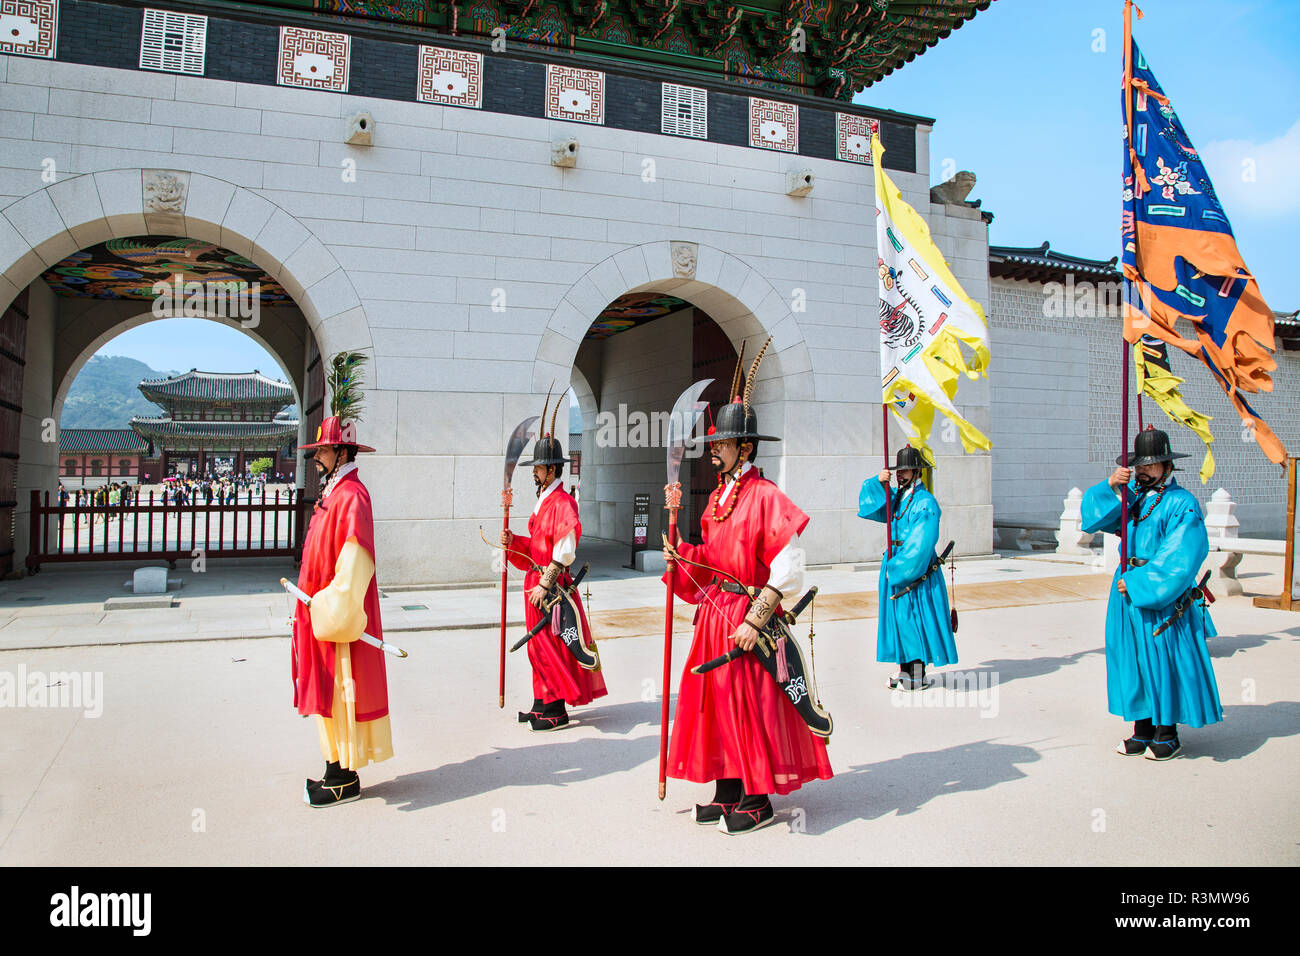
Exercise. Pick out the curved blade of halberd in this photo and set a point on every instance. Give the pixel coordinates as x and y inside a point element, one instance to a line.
<point>686,412</point>
<point>515,447</point>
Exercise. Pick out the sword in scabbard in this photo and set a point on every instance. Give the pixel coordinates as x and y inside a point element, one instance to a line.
<point>934,565</point>
<point>305,598</point>
<point>686,413</point>
<point>789,617</point>
<point>1185,602</point>
<point>514,448</point>
<point>553,597</point>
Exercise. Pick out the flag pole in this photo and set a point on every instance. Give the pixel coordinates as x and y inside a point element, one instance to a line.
<point>1128,126</point>
<point>889,507</point>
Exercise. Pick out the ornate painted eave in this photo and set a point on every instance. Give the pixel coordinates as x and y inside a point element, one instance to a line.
<point>842,48</point>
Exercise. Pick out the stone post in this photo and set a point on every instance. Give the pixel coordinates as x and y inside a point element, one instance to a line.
<point>1070,536</point>
<point>1221,525</point>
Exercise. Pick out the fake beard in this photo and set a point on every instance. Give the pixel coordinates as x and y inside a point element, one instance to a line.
<point>1146,482</point>
<point>541,484</point>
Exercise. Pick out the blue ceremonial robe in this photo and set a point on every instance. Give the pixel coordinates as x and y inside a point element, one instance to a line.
<point>917,626</point>
<point>1168,678</point>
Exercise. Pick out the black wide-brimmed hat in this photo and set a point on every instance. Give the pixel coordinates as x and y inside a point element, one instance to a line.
<point>737,419</point>
<point>909,457</point>
<point>1150,448</point>
<point>547,450</point>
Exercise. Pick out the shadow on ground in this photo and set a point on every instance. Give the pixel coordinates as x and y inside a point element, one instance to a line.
<point>1245,728</point>
<point>1227,645</point>
<point>905,784</point>
<point>1005,670</point>
<point>546,759</point>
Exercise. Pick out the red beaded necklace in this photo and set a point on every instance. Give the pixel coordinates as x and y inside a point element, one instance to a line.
<point>731,505</point>
<point>1153,507</point>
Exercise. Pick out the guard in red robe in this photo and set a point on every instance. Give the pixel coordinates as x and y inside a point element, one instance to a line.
<point>735,725</point>
<point>545,553</point>
<point>338,678</point>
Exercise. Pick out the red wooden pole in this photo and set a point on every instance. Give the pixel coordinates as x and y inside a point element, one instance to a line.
<point>668,664</point>
<point>889,501</point>
<point>505,568</point>
<point>1123,438</point>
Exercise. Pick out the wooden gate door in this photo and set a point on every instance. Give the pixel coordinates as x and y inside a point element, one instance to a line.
<point>13,344</point>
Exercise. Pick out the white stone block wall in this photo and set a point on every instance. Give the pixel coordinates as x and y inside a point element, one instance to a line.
<point>1055,405</point>
<point>471,267</point>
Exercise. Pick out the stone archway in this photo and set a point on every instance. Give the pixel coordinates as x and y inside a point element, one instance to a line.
<point>722,290</point>
<point>739,298</point>
<point>46,226</point>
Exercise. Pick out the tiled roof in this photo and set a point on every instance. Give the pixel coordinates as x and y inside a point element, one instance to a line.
<point>1286,327</point>
<point>99,439</point>
<point>1041,263</point>
<point>164,429</point>
<point>216,387</point>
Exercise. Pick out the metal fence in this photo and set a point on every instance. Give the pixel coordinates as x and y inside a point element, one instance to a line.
<point>253,528</point>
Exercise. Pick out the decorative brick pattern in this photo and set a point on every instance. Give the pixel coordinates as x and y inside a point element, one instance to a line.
<point>685,111</point>
<point>29,27</point>
<point>173,42</point>
<point>853,137</point>
<point>573,94</point>
<point>454,77</point>
<point>313,59</point>
<point>773,125</point>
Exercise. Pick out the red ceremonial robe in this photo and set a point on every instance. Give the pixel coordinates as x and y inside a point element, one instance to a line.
<point>345,513</point>
<point>556,674</point>
<point>735,721</point>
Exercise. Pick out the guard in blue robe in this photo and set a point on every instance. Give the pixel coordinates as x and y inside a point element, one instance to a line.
<point>1158,670</point>
<point>915,628</point>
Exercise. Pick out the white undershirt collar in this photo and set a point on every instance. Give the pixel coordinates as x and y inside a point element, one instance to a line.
<point>543,496</point>
<point>730,482</point>
<point>334,480</point>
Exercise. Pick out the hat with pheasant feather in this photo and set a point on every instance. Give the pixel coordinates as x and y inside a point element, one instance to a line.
<point>345,403</point>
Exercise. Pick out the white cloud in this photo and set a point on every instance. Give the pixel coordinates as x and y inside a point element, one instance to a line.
<point>1258,179</point>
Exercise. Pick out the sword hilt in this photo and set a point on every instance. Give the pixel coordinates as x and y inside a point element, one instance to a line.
<point>794,612</point>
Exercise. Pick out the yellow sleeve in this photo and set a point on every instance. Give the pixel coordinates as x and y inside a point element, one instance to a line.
<point>338,610</point>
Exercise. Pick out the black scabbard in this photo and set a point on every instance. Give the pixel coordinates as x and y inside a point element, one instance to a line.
<point>552,597</point>
<point>789,618</point>
<point>935,565</point>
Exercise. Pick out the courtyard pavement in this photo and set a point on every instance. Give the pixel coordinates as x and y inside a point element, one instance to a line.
<point>191,753</point>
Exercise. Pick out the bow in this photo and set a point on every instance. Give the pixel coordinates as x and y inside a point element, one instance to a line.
<point>750,592</point>
<point>523,554</point>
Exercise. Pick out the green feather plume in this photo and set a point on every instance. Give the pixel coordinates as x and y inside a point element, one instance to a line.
<point>344,383</point>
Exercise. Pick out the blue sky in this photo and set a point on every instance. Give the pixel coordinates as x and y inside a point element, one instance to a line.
<point>181,344</point>
<point>1022,100</point>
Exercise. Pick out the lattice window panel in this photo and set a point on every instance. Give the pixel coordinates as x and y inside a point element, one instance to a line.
<point>685,111</point>
<point>174,42</point>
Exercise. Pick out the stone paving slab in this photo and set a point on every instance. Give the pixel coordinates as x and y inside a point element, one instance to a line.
<point>198,759</point>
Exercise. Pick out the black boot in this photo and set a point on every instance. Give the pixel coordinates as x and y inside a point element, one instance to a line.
<point>1165,746</point>
<point>552,717</point>
<point>1143,733</point>
<point>535,711</point>
<point>337,786</point>
<point>726,794</point>
<point>752,813</point>
<point>911,676</point>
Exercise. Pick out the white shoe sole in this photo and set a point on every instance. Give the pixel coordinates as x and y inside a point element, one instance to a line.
<point>722,825</point>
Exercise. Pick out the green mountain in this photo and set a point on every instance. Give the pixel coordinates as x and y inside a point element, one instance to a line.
<point>104,394</point>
